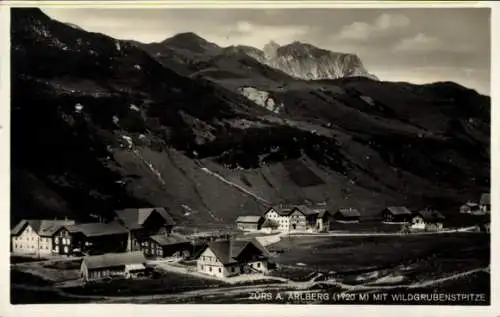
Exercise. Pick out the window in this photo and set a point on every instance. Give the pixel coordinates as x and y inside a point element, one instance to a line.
<point>258,265</point>
<point>232,269</point>
<point>15,245</point>
<point>220,270</point>
<point>210,269</point>
<point>202,267</point>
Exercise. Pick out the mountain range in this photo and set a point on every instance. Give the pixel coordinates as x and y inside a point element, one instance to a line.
<point>212,133</point>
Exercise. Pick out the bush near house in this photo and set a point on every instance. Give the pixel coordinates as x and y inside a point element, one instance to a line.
<point>271,224</point>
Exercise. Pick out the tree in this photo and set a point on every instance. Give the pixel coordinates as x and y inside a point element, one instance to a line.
<point>269,223</point>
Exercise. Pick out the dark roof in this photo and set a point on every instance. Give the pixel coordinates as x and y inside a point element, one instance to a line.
<point>97,229</point>
<point>227,251</point>
<point>44,228</point>
<point>285,209</point>
<point>134,218</point>
<point>349,212</point>
<point>114,259</point>
<point>398,210</point>
<point>169,240</point>
<point>431,215</point>
<point>249,219</point>
<point>322,212</point>
<point>485,199</point>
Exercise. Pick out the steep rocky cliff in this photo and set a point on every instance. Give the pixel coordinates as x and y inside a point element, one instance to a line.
<point>305,61</point>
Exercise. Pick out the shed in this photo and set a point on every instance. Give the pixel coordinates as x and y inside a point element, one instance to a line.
<point>347,215</point>
<point>396,214</point>
<point>173,245</point>
<point>128,265</point>
<point>249,222</point>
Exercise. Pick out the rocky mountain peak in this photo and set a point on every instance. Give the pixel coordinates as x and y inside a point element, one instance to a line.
<point>192,42</point>
<point>271,49</point>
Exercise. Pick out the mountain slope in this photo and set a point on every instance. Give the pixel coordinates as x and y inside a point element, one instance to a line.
<point>107,126</point>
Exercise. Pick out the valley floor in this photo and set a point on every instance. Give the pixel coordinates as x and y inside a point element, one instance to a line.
<point>454,262</point>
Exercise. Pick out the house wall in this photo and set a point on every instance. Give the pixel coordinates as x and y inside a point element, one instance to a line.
<point>434,226</point>
<point>262,265</point>
<point>298,221</point>
<point>389,217</point>
<point>418,223</point>
<point>100,273</point>
<point>62,242</point>
<point>248,226</point>
<point>209,264</point>
<point>45,245</point>
<point>282,221</point>
<point>28,242</point>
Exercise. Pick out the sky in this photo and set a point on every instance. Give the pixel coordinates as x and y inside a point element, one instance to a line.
<point>418,45</point>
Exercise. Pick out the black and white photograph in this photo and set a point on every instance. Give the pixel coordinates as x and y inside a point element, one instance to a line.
<point>278,155</point>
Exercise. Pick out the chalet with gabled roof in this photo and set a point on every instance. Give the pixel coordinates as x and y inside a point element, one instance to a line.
<point>162,246</point>
<point>35,236</point>
<point>293,217</point>
<point>249,223</point>
<point>142,223</point>
<point>427,219</point>
<point>96,237</point>
<point>125,265</point>
<point>396,214</point>
<point>347,215</point>
<point>233,257</point>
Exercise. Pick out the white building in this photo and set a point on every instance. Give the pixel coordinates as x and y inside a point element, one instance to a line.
<point>35,237</point>
<point>228,258</point>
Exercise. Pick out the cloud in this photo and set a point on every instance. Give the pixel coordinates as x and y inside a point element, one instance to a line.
<point>419,43</point>
<point>383,24</point>
<point>257,35</point>
<point>423,43</point>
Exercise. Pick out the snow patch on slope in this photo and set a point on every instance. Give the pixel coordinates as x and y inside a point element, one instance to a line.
<point>261,98</point>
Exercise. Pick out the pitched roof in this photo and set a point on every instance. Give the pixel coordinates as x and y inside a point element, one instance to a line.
<point>323,212</point>
<point>249,219</point>
<point>97,229</point>
<point>399,210</point>
<point>173,238</point>
<point>134,218</point>
<point>349,212</point>
<point>287,209</point>
<point>431,215</point>
<point>114,259</point>
<point>44,228</point>
<point>485,199</point>
<point>227,251</point>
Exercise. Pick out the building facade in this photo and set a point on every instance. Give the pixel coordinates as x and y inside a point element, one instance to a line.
<point>229,258</point>
<point>249,223</point>
<point>427,220</point>
<point>142,223</point>
<point>347,215</point>
<point>35,237</point>
<point>396,214</point>
<point>294,218</point>
<point>111,265</point>
<point>162,246</point>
